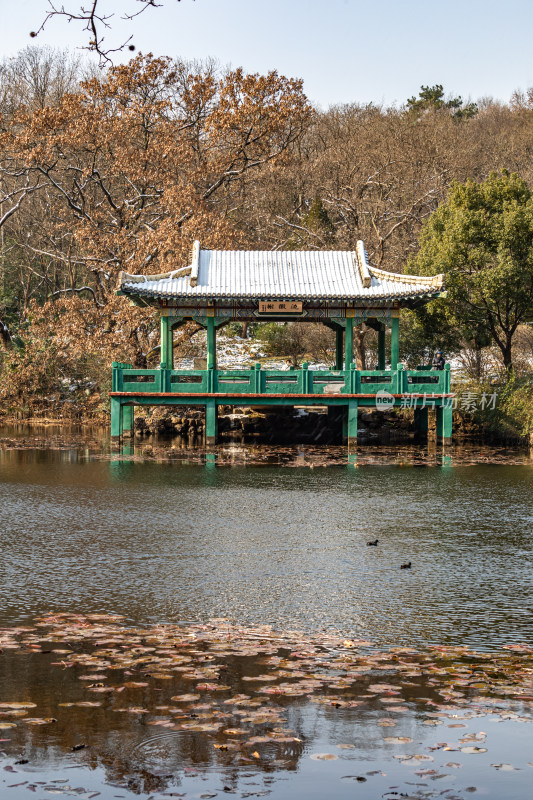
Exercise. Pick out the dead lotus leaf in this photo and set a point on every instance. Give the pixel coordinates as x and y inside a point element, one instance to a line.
<point>161,723</point>
<point>88,703</point>
<point>397,739</point>
<point>14,713</point>
<point>212,687</point>
<point>101,689</point>
<point>204,728</point>
<point>235,731</point>
<point>239,699</point>
<point>134,710</point>
<point>185,698</point>
<point>414,758</point>
<point>323,757</point>
<point>381,687</point>
<point>135,684</point>
<point>473,749</point>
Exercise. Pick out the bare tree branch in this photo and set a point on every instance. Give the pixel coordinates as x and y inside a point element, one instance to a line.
<point>96,23</point>
<point>24,191</point>
<point>81,289</point>
<point>300,228</point>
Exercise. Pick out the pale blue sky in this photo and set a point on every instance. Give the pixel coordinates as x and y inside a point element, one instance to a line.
<point>345,50</point>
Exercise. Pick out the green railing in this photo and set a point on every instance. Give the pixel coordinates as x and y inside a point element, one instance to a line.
<point>269,381</point>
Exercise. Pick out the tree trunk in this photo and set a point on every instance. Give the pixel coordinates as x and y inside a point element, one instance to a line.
<point>477,361</point>
<point>139,358</point>
<point>244,330</point>
<point>5,336</point>
<point>507,353</point>
<point>139,361</point>
<point>359,345</point>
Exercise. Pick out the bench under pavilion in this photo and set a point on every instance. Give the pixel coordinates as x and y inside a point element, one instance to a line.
<point>340,289</point>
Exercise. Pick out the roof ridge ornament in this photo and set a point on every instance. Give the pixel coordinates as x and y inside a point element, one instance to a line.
<point>436,281</point>
<point>362,263</point>
<point>126,277</point>
<point>195,263</point>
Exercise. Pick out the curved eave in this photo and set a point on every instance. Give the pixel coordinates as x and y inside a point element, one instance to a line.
<point>327,276</point>
<point>417,295</point>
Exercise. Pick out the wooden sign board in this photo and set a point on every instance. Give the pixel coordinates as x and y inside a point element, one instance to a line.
<point>280,307</point>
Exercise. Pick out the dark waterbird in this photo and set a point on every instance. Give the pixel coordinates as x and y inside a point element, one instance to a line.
<point>406,566</point>
<point>373,544</point>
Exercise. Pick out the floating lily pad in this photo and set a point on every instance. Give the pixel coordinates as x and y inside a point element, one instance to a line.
<point>397,739</point>
<point>323,757</point>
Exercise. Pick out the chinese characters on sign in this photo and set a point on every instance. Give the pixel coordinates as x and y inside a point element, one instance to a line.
<point>280,307</point>
<point>467,401</point>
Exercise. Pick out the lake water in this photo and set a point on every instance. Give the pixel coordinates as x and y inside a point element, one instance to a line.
<point>265,537</point>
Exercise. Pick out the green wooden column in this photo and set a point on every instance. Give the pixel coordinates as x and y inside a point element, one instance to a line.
<point>127,420</point>
<point>163,352</point>
<point>335,415</point>
<point>447,378</point>
<point>339,347</point>
<point>444,423</point>
<point>352,422</point>
<point>116,418</point>
<point>115,376</point>
<point>381,347</point>
<point>211,343</point>
<point>257,378</point>
<point>395,342</point>
<point>167,343</point>
<point>421,421</point>
<point>211,422</point>
<point>348,343</point>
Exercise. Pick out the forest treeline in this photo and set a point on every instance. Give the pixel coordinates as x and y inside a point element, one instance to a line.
<point>103,171</point>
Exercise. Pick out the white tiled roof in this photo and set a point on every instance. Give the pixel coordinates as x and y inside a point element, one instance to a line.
<point>298,274</point>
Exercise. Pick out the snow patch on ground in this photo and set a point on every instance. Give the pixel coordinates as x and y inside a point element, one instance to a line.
<point>233,352</point>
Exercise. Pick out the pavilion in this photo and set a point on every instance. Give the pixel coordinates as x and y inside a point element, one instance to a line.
<point>340,289</point>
